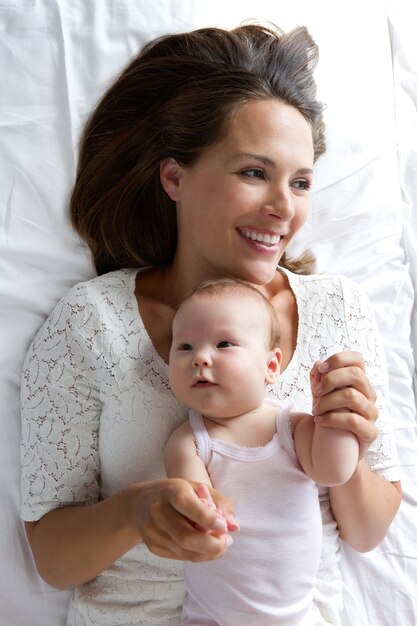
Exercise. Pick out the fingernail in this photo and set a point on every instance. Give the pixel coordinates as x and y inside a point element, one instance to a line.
<point>229,540</point>
<point>323,367</point>
<point>319,389</point>
<point>219,525</point>
<point>232,522</point>
<point>318,418</point>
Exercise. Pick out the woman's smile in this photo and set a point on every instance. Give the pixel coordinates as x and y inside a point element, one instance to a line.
<point>244,199</point>
<point>262,242</point>
<point>264,238</point>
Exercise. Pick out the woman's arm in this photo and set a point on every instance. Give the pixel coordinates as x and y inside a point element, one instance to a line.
<point>61,413</point>
<point>365,506</point>
<point>73,544</point>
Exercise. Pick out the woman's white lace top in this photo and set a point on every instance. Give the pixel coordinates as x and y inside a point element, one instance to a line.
<point>97,411</point>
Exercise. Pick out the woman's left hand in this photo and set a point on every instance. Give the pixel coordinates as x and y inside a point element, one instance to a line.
<point>344,398</point>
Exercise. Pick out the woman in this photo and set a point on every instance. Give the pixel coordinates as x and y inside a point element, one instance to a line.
<point>196,164</point>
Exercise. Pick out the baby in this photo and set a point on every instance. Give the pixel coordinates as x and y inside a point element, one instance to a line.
<point>267,458</point>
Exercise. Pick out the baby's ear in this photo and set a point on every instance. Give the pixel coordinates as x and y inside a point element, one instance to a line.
<point>273,366</point>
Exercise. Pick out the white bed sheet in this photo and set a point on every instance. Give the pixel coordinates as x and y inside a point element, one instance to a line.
<point>56,58</point>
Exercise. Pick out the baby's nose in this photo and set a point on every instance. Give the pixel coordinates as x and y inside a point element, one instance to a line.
<point>202,360</point>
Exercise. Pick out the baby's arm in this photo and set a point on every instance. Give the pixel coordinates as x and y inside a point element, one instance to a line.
<point>328,455</point>
<point>181,458</point>
<point>182,461</point>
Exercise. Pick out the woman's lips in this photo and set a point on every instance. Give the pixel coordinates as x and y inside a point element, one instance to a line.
<point>268,239</point>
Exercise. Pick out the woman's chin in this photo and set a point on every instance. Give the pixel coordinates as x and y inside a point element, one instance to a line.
<point>261,276</point>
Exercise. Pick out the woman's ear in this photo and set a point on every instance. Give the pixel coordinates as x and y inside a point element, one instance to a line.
<point>273,366</point>
<point>170,173</point>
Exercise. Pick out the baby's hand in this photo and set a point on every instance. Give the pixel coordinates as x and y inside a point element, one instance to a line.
<point>204,494</point>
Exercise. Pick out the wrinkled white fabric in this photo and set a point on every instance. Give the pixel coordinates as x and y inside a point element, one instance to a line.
<point>97,411</point>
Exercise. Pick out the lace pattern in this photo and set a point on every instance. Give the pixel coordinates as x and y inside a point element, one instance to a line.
<point>97,411</point>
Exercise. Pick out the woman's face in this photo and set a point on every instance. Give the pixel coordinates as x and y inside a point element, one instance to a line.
<point>245,198</point>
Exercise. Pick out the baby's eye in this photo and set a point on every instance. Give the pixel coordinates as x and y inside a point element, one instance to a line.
<point>185,346</point>
<point>254,172</point>
<point>225,344</point>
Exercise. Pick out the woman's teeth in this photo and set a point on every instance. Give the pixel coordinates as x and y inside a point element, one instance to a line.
<point>261,238</point>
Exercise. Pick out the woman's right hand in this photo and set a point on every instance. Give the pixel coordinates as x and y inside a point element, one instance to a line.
<point>174,523</point>
<point>73,544</point>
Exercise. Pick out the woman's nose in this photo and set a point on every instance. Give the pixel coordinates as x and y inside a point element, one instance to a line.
<point>280,204</point>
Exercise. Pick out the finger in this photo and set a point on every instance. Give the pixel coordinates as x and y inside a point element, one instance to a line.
<point>194,557</point>
<point>364,430</point>
<point>341,359</point>
<point>348,399</point>
<point>351,376</point>
<point>205,547</point>
<point>167,522</point>
<point>186,502</point>
<point>232,524</point>
<point>204,494</point>
<point>221,501</point>
<point>315,375</point>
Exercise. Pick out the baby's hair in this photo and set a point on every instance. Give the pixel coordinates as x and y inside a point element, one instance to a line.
<point>237,287</point>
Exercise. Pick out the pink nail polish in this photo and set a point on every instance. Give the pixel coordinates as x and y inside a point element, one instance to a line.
<point>219,525</point>
<point>232,523</point>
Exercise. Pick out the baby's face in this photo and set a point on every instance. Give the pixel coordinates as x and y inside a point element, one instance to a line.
<point>219,357</point>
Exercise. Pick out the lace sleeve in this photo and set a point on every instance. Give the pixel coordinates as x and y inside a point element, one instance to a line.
<point>364,338</point>
<point>61,409</point>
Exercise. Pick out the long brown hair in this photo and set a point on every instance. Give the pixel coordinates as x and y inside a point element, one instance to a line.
<point>174,100</point>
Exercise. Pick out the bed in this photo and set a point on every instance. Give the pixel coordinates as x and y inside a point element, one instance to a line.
<point>56,59</point>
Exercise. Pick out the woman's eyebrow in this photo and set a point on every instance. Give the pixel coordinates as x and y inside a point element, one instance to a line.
<point>267,161</point>
<point>252,155</point>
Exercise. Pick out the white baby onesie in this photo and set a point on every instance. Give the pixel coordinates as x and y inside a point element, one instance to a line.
<point>267,576</point>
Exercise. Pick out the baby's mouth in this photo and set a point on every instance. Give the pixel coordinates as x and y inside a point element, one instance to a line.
<point>203,382</point>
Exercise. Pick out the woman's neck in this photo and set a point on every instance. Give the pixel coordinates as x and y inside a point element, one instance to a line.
<point>159,291</point>
<point>178,281</point>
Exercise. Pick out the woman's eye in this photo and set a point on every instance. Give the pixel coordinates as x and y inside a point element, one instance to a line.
<point>184,347</point>
<point>302,184</point>
<point>254,173</point>
<point>225,344</point>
